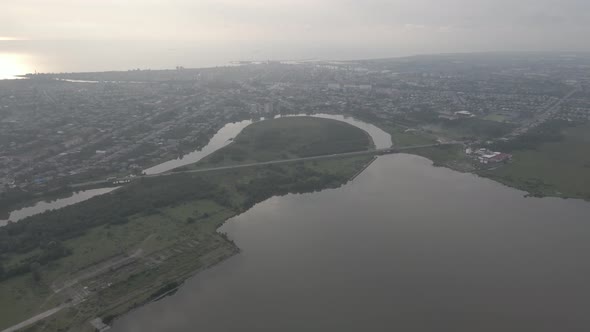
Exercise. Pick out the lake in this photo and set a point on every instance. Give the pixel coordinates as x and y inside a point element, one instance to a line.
<point>404,246</point>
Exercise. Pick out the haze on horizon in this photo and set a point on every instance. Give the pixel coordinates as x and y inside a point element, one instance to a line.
<point>381,27</point>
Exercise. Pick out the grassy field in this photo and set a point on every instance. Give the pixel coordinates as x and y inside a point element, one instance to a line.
<point>451,156</point>
<point>497,117</point>
<point>120,264</point>
<point>470,128</point>
<point>287,138</point>
<point>401,136</point>
<point>552,169</point>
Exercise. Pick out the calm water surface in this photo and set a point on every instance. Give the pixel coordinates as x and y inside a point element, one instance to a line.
<point>222,138</point>
<point>43,206</point>
<point>404,247</point>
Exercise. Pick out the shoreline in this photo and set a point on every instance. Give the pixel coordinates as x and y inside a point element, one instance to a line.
<point>236,251</point>
<point>164,253</point>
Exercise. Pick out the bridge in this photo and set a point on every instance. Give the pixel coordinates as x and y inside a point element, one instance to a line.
<point>391,150</point>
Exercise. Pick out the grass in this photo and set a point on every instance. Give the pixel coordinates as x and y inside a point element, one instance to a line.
<point>288,138</point>
<point>471,128</point>
<point>166,232</point>
<point>497,117</point>
<point>401,136</point>
<point>451,156</point>
<point>552,169</point>
<point>22,297</point>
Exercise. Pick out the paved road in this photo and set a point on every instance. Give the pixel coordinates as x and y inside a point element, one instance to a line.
<point>552,109</point>
<point>285,161</point>
<point>35,319</point>
<point>275,162</point>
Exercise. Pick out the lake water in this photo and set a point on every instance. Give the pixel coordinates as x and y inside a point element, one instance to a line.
<point>404,247</point>
<point>222,138</point>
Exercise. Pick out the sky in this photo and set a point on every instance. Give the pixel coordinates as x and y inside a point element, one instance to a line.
<point>82,35</point>
<point>443,25</point>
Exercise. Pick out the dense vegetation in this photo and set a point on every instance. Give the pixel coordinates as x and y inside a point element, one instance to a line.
<point>37,232</point>
<point>46,231</point>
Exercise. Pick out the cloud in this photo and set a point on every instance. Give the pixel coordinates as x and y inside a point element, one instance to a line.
<point>445,24</point>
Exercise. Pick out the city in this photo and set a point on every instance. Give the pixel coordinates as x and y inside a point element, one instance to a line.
<point>142,218</point>
<point>64,129</point>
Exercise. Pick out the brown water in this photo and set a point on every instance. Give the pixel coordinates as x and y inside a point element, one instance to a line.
<point>404,247</point>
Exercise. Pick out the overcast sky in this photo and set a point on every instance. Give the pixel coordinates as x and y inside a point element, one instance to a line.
<point>416,26</point>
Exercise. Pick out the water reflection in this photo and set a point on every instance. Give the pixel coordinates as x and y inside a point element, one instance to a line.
<point>219,140</point>
<point>403,247</point>
<point>12,64</point>
<point>43,206</point>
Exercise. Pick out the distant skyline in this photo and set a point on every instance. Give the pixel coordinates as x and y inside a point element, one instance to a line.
<point>380,26</point>
<point>98,35</point>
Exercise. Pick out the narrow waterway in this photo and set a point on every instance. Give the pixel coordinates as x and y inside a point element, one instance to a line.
<point>223,137</point>
<point>404,247</point>
<point>58,203</point>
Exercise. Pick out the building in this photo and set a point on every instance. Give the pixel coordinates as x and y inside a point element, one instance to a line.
<point>494,157</point>
<point>464,114</point>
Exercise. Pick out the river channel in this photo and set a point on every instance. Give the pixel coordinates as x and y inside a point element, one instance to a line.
<point>223,137</point>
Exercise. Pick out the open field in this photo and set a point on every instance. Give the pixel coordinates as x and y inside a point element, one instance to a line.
<point>559,168</point>
<point>288,138</point>
<point>498,117</point>
<point>451,156</point>
<point>21,298</point>
<point>469,129</point>
<point>407,137</point>
<point>120,250</point>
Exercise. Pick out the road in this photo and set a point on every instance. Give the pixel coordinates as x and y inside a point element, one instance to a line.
<point>35,319</point>
<point>551,110</point>
<point>285,161</point>
<point>100,269</point>
<point>275,162</point>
